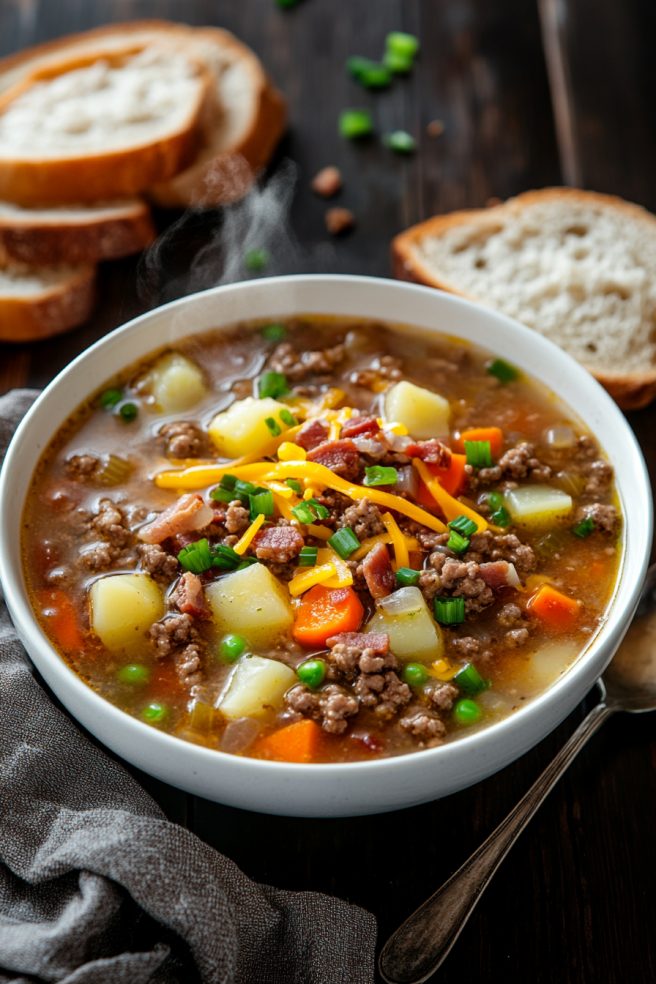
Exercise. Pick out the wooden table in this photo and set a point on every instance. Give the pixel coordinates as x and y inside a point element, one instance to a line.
<point>574,902</point>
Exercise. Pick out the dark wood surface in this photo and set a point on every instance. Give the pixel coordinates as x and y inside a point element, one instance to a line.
<point>574,902</point>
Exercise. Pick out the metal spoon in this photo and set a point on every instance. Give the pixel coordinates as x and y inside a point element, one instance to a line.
<point>421,944</point>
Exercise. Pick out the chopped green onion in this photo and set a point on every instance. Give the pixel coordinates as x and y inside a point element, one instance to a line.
<point>470,680</point>
<point>196,557</point>
<point>501,517</point>
<point>288,418</point>
<point>467,527</point>
<point>354,123</point>
<point>397,64</point>
<point>246,562</point>
<point>307,557</point>
<point>584,528</point>
<point>225,557</point>
<point>244,489</point>
<point>495,501</point>
<point>370,74</point>
<point>274,333</point>
<point>231,647</point>
<point>272,384</point>
<point>261,504</point>
<point>400,141</point>
<point>221,495</point>
<point>135,674</point>
<point>402,44</point>
<point>406,576</point>
<point>110,398</point>
<point>256,259</point>
<point>228,482</point>
<point>504,372</point>
<point>467,712</point>
<point>312,673</point>
<point>450,611</point>
<point>273,425</point>
<point>128,411</point>
<point>307,512</point>
<point>479,454</point>
<point>344,542</point>
<point>457,543</point>
<point>155,713</point>
<point>294,484</point>
<point>414,674</point>
<point>380,475</point>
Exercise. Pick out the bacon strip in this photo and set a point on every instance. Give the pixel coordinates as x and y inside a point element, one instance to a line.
<point>499,574</point>
<point>190,598</point>
<point>378,573</point>
<point>359,427</point>
<point>188,513</point>
<point>342,457</point>
<point>311,434</point>
<point>378,641</point>
<point>433,452</point>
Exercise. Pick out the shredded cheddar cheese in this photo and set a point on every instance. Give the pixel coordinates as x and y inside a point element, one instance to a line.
<point>291,452</point>
<point>321,532</point>
<point>242,545</point>
<point>310,577</point>
<point>449,506</point>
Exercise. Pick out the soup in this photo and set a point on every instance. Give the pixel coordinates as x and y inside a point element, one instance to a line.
<point>321,541</point>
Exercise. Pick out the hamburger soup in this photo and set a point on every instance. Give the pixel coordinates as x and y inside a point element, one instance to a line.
<point>321,541</point>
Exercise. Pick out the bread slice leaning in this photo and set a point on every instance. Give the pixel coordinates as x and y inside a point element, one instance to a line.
<point>577,266</point>
<point>75,234</point>
<point>37,302</point>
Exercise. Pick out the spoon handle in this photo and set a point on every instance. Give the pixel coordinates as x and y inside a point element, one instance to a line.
<point>420,945</point>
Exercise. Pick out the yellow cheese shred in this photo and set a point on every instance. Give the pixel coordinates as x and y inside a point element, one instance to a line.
<point>321,532</point>
<point>241,546</point>
<point>401,557</point>
<point>343,577</point>
<point>310,577</point>
<point>449,506</point>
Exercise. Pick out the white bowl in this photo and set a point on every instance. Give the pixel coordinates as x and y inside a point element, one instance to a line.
<point>342,789</point>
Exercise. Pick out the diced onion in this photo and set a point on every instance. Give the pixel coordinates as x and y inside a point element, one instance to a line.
<point>560,437</point>
<point>512,577</point>
<point>403,602</point>
<point>407,481</point>
<point>366,445</point>
<point>397,442</point>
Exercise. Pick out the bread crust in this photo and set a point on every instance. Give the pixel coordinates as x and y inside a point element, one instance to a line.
<point>46,237</point>
<point>51,312</point>
<point>631,391</point>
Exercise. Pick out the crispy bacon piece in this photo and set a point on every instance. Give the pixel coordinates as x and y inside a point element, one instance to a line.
<point>433,452</point>
<point>189,596</point>
<point>378,641</point>
<point>312,433</point>
<point>360,427</point>
<point>342,457</point>
<point>378,573</point>
<point>278,543</point>
<point>499,574</point>
<point>188,513</point>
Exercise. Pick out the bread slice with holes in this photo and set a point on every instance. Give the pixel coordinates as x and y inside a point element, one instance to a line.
<point>577,266</point>
<point>37,302</point>
<point>75,234</point>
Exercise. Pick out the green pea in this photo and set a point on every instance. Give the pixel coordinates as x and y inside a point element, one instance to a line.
<point>467,712</point>
<point>134,674</point>
<point>231,647</point>
<point>400,141</point>
<point>128,411</point>
<point>110,398</point>
<point>274,333</point>
<point>414,674</point>
<point>155,713</point>
<point>256,259</point>
<point>312,673</point>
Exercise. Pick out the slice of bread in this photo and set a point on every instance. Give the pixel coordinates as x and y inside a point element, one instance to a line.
<point>577,266</point>
<point>101,123</point>
<point>75,234</point>
<point>37,302</point>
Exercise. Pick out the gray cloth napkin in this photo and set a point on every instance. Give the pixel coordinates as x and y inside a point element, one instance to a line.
<point>97,887</point>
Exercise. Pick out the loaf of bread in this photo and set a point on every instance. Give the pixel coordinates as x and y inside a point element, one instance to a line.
<point>578,267</point>
<point>37,302</point>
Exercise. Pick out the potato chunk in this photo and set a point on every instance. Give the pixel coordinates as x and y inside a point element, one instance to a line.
<point>123,607</point>
<point>414,634</point>
<point>176,383</point>
<point>257,687</point>
<point>538,506</point>
<point>241,429</point>
<point>425,414</point>
<point>252,603</point>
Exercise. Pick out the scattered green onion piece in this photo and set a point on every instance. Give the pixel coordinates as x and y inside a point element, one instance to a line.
<point>256,259</point>
<point>501,517</point>
<point>354,123</point>
<point>470,680</point>
<point>344,542</point>
<point>495,501</point>
<point>370,74</point>
<point>225,557</point>
<point>273,425</point>
<point>246,562</point>
<point>294,484</point>
<point>414,674</point>
<point>504,372</point>
<point>401,142</point>
<point>464,525</point>
<point>467,712</point>
<point>128,412</point>
<point>307,512</point>
<point>261,505</point>
<point>450,611</point>
<point>288,418</point>
<point>243,489</point>
<point>196,557</point>
<point>272,384</point>
<point>312,673</point>
<point>134,674</point>
<point>274,333</point>
<point>402,44</point>
<point>221,495</point>
<point>155,713</point>
<point>228,482</point>
<point>479,454</point>
<point>307,557</point>
<point>584,528</point>
<point>406,576</point>
<point>457,543</point>
<point>397,64</point>
<point>380,475</point>
<point>231,647</point>
<point>110,398</point>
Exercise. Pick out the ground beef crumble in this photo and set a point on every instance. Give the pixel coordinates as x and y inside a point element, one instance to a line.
<point>237,517</point>
<point>330,707</point>
<point>363,518</point>
<point>376,682</point>
<point>171,632</point>
<point>295,367</point>
<point>162,566</point>
<point>81,467</point>
<point>110,523</point>
<point>424,725</point>
<point>184,438</point>
<point>604,517</point>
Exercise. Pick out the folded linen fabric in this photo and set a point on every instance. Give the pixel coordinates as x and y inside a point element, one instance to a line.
<point>97,887</point>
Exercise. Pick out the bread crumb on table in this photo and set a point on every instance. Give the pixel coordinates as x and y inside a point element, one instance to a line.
<point>327,182</point>
<point>338,220</point>
<point>435,128</point>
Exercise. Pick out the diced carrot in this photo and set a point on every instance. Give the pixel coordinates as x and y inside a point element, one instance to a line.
<point>554,609</point>
<point>296,743</point>
<point>324,613</point>
<point>61,619</point>
<point>492,434</point>
<point>452,480</point>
